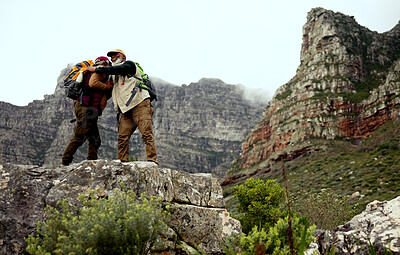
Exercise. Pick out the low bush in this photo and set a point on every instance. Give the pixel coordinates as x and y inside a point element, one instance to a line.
<point>324,209</point>
<point>114,225</point>
<point>259,203</point>
<point>275,240</point>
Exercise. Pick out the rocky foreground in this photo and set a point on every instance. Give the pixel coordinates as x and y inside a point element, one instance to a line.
<point>378,226</point>
<point>198,214</point>
<point>199,218</point>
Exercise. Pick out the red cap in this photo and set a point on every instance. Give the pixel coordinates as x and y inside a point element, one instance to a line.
<point>101,58</point>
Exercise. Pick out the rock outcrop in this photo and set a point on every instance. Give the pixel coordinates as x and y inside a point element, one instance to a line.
<point>198,127</point>
<point>198,214</point>
<point>347,85</point>
<point>378,226</point>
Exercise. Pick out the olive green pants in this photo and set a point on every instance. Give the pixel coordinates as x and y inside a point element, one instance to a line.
<point>139,117</point>
<point>85,129</point>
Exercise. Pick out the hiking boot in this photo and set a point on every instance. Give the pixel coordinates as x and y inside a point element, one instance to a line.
<point>65,163</point>
<point>153,162</point>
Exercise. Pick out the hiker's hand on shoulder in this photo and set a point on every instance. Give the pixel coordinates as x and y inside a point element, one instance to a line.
<point>110,83</point>
<point>91,68</point>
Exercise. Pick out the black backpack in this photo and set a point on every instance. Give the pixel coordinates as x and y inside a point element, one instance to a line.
<point>74,81</point>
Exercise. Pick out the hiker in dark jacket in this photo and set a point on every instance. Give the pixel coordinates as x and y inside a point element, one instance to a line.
<point>132,102</point>
<point>87,108</point>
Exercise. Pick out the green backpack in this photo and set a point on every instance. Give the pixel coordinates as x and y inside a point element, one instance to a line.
<point>145,83</point>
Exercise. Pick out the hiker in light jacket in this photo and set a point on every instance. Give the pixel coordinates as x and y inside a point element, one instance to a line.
<point>132,102</point>
<point>87,108</point>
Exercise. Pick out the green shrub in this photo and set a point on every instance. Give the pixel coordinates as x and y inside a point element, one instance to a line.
<point>324,209</point>
<point>116,225</point>
<point>275,240</point>
<point>259,202</point>
<point>284,95</point>
<point>389,146</point>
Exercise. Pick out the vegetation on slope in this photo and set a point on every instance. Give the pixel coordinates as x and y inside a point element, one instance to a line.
<point>362,172</point>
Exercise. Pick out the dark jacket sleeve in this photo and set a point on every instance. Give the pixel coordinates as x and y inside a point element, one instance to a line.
<point>128,67</point>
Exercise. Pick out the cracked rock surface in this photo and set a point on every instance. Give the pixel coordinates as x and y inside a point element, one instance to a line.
<point>198,214</point>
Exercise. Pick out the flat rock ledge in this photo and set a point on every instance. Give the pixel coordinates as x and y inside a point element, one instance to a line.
<point>199,217</point>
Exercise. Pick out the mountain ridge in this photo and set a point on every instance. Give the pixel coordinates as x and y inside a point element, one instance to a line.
<point>198,127</point>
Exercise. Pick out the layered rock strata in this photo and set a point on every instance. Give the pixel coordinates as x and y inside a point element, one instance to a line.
<point>347,85</point>
<point>198,214</point>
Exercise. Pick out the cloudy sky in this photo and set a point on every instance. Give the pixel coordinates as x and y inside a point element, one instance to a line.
<point>255,43</point>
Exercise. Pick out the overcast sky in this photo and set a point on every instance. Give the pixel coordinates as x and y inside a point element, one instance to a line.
<point>255,43</point>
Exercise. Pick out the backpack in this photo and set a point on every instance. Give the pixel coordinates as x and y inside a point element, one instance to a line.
<point>74,81</point>
<point>145,83</point>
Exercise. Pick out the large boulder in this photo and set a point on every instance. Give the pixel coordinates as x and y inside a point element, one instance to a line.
<point>198,215</point>
<point>378,226</point>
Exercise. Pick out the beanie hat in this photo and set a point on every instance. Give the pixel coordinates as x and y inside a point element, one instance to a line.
<point>101,58</point>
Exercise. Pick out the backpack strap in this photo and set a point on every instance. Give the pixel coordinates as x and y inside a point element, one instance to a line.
<point>142,84</point>
<point>87,91</point>
<point>132,96</point>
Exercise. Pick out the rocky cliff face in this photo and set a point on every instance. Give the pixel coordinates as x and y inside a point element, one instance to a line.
<point>195,201</point>
<point>347,85</point>
<point>198,128</point>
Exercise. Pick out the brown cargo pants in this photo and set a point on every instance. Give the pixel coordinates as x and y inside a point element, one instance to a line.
<point>85,129</point>
<point>139,117</point>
